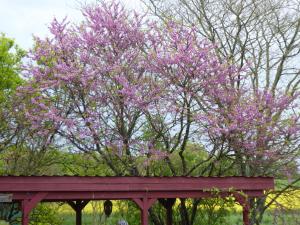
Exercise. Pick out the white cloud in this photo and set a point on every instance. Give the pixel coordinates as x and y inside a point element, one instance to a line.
<point>20,19</point>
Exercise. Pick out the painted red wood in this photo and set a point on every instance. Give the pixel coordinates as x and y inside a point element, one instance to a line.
<point>65,196</point>
<point>144,205</point>
<point>143,190</point>
<point>29,204</point>
<point>132,183</point>
<point>25,213</point>
<point>246,218</point>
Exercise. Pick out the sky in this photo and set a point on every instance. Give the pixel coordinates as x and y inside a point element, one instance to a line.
<point>20,19</point>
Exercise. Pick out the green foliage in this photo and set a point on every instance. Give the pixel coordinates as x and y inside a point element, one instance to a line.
<point>10,212</point>
<point>281,183</point>
<point>213,211</point>
<point>83,164</point>
<point>3,223</point>
<point>45,214</point>
<point>210,211</point>
<point>21,160</point>
<point>122,210</point>
<point>232,218</point>
<point>10,60</point>
<point>42,214</point>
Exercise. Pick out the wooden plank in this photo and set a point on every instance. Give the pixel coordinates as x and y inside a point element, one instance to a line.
<point>54,184</point>
<point>72,196</point>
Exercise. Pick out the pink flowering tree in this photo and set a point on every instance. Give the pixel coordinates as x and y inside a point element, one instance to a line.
<point>88,84</point>
<point>259,130</point>
<point>129,89</point>
<point>203,103</point>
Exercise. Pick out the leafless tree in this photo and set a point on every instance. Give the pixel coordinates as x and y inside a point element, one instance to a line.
<point>263,35</point>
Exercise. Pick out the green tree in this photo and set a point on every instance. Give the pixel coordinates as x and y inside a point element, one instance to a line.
<point>265,33</point>
<point>16,155</point>
<point>10,61</point>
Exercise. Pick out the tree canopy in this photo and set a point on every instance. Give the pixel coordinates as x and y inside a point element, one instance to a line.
<point>10,62</point>
<point>138,96</point>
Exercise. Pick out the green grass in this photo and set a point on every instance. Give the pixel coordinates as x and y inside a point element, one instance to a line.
<point>89,219</point>
<point>235,218</point>
<point>270,218</point>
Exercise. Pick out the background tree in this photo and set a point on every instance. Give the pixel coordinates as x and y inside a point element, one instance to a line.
<point>10,62</point>
<point>21,152</point>
<point>132,91</point>
<point>263,36</point>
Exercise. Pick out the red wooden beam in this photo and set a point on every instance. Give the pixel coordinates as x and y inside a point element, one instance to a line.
<point>71,196</point>
<point>143,190</point>
<point>66,183</point>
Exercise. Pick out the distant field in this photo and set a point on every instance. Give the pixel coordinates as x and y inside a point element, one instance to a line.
<point>292,201</point>
<point>290,218</point>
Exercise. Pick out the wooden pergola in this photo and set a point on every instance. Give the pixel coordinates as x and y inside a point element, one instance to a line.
<point>77,191</point>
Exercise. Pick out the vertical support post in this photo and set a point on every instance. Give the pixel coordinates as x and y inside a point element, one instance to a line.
<point>29,204</point>
<point>246,219</point>
<point>25,213</point>
<point>78,217</point>
<point>169,219</point>
<point>144,216</point>
<point>243,201</point>
<point>78,206</point>
<point>144,204</point>
<point>168,205</point>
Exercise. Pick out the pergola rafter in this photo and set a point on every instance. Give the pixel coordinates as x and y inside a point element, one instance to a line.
<point>144,191</point>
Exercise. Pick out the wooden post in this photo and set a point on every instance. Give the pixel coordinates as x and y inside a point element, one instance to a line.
<point>244,202</point>
<point>78,217</point>
<point>246,219</point>
<point>144,204</point>
<point>29,204</point>
<point>78,206</point>
<point>168,205</point>
<point>144,216</point>
<point>25,213</point>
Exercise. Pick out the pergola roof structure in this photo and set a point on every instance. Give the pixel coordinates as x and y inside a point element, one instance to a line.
<point>144,191</point>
